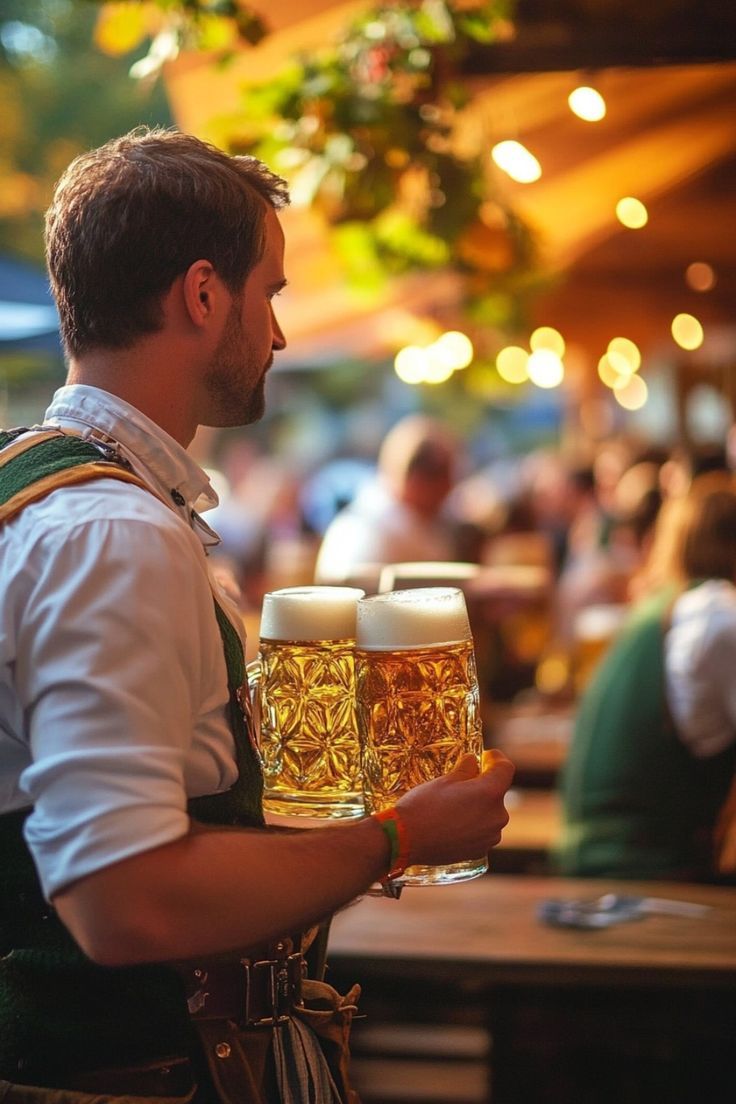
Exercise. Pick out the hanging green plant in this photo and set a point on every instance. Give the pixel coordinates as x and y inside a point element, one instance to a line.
<point>222,26</point>
<point>365,132</point>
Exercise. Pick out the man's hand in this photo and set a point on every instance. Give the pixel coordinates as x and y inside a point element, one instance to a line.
<point>460,815</point>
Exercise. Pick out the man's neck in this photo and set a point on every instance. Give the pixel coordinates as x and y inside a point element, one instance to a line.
<point>142,381</point>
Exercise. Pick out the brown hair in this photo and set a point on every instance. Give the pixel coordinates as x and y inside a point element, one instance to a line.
<point>417,444</point>
<point>709,538</point>
<point>128,218</point>
<point>695,534</point>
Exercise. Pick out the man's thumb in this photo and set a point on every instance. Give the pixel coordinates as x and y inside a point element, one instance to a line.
<point>495,762</point>
<point>467,767</point>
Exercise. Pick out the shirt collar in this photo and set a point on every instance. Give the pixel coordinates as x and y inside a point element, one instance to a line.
<point>166,465</point>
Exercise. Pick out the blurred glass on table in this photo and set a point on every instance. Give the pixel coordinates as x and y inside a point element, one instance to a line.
<point>593,632</point>
<point>417,701</point>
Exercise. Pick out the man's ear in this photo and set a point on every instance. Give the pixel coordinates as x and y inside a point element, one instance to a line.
<point>199,289</point>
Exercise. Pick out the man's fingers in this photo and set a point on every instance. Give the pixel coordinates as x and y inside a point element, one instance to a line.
<point>492,762</point>
<point>495,762</point>
<point>467,767</point>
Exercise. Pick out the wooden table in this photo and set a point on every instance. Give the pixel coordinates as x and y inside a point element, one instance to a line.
<point>643,1011</point>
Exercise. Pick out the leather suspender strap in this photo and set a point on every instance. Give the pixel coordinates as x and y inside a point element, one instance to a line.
<point>63,459</point>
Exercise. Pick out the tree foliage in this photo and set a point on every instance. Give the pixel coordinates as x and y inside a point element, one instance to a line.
<point>59,96</point>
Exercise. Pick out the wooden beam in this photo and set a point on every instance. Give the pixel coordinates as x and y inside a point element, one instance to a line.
<point>557,36</point>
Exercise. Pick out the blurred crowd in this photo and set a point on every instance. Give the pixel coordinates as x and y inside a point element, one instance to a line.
<point>584,523</point>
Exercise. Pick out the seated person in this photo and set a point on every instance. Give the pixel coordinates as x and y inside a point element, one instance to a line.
<point>398,517</point>
<point>654,747</point>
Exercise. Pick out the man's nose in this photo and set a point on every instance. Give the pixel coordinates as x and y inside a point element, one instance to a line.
<point>278,341</point>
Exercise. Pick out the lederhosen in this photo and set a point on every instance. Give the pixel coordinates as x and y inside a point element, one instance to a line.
<point>147,1030</point>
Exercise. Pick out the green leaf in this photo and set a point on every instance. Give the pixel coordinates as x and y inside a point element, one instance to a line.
<point>356,248</point>
<point>398,234</point>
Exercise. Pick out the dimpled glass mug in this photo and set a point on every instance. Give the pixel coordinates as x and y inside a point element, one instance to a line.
<point>303,686</point>
<point>417,700</point>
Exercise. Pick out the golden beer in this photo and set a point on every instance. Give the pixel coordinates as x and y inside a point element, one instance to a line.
<point>305,676</point>
<point>417,700</point>
<point>594,631</point>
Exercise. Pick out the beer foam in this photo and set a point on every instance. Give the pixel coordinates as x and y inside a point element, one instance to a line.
<point>414,618</point>
<point>310,613</point>
<point>599,622</point>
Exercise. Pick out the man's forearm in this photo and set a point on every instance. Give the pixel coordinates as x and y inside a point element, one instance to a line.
<point>217,890</point>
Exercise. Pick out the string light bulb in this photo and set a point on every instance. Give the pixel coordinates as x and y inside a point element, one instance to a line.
<point>587,103</point>
<point>632,393</point>
<point>547,337</point>
<point>613,369</point>
<point>626,348</point>
<point>700,276</point>
<point>545,369</point>
<point>516,161</point>
<point>632,213</point>
<point>452,348</point>
<point>512,364</point>
<point>410,364</point>
<point>687,331</point>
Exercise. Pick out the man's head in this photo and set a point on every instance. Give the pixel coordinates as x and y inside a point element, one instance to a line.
<point>418,460</point>
<point>129,218</point>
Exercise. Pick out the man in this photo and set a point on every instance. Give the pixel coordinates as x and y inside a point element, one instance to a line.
<point>126,768</point>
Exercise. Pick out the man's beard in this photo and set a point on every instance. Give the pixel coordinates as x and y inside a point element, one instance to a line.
<point>235,400</point>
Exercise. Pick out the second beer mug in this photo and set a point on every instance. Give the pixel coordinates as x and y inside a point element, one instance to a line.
<point>304,685</point>
<point>418,701</point>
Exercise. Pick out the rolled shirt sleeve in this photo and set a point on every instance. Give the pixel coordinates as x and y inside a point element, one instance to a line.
<point>700,667</point>
<point>122,680</point>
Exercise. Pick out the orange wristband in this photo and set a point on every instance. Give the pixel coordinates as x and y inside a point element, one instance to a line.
<point>395,830</point>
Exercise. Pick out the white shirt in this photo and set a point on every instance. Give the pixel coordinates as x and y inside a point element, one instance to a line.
<point>700,667</point>
<point>376,529</point>
<point>113,682</point>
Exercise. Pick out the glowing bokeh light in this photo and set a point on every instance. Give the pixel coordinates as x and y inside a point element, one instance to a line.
<point>516,160</point>
<point>511,364</point>
<point>614,369</point>
<point>437,370</point>
<point>632,213</point>
<point>545,368</point>
<point>687,331</point>
<point>552,674</point>
<point>546,337</point>
<point>700,276</point>
<point>453,348</point>
<point>629,350</point>
<point>632,393</point>
<point>587,103</point>
<point>410,364</point>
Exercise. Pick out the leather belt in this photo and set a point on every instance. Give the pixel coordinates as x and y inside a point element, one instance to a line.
<point>169,1078</point>
<point>260,990</point>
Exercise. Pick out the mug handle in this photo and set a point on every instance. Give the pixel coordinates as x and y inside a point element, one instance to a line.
<point>253,676</point>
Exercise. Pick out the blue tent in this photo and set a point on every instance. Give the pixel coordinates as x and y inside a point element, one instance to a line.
<point>28,318</point>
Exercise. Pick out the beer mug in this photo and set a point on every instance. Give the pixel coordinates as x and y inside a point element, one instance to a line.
<point>593,632</point>
<point>417,701</point>
<point>303,686</point>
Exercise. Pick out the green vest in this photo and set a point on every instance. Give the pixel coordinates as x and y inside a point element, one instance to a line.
<point>59,1012</point>
<point>636,803</point>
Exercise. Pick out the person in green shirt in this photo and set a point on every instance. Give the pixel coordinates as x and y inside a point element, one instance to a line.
<point>654,744</point>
